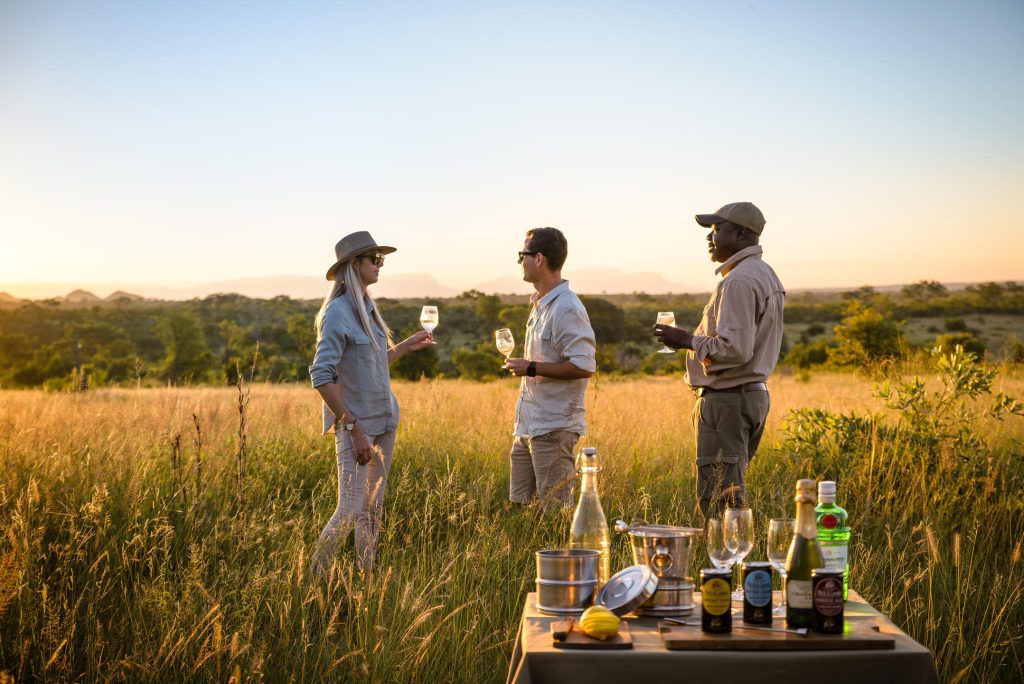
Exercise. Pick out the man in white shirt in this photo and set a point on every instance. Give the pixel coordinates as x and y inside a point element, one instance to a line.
<point>559,358</point>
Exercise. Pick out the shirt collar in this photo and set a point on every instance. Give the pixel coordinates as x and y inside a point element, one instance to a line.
<point>728,264</point>
<point>555,291</point>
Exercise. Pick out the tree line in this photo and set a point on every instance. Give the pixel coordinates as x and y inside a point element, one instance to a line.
<point>212,340</point>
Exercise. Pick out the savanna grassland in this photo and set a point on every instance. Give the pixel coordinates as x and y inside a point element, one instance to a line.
<point>144,540</point>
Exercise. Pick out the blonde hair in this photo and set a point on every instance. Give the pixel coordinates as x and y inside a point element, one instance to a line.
<point>357,297</point>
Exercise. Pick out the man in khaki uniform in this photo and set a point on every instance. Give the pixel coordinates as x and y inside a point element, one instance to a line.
<point>731,354</point>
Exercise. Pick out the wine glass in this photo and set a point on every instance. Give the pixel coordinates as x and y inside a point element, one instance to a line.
<point>739,537</point>
<point>428,318</point>
<point>666,318</point>
<point>780,535</point>
<point>720,555</point>
<point>504,341</point>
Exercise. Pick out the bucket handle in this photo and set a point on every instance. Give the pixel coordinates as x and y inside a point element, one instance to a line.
<point>662,559</point>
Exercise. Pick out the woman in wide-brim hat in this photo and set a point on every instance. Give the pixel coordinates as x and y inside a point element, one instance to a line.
<point>350,371</point>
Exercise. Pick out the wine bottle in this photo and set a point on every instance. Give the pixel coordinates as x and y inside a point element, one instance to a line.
<point>804,556</point>
<point>833,532</point>
<point>589,527</point>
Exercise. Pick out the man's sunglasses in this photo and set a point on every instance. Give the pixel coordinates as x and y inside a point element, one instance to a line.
<point>523,255</point>
<point>377,259</point>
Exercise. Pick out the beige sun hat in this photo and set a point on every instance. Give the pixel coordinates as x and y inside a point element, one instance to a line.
<point>353,245</point>
<point>741,213</point>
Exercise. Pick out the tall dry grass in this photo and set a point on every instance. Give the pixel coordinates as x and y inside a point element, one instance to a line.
<point>133,550</point>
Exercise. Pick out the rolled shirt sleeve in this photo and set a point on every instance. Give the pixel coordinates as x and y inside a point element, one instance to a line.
<point>329,349</point>
<point>573,337</point>
<point>734,311</point>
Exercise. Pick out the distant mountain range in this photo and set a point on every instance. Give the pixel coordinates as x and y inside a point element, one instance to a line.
<point>395,286</point>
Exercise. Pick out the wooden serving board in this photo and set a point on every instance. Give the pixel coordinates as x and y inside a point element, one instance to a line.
<point>857,635</point>
<point>579,640</point>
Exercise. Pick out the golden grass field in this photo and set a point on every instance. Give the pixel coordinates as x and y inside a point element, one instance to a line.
<point>137,547</point>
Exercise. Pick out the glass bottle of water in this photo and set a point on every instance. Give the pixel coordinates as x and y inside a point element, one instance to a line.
<point>589,527</point>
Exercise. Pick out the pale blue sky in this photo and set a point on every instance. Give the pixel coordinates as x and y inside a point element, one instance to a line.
<point>176,142</point>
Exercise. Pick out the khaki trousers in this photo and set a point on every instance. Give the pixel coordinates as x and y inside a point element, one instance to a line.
<point>543,466</point>
<point>360,502</point>
<point>729,427</point>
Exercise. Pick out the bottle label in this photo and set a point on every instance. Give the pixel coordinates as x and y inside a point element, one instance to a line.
<point>835,554</point>
<point>828,597</point>
<point>829,521</point>
<point>757,586</point>
<point>798,593</point>
<point>716,597</point>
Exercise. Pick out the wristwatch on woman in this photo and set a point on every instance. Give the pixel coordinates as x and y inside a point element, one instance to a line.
<point>348,427</point>
<point>531,370</point>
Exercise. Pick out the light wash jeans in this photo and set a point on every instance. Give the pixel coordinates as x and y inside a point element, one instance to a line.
<point>360,500</point>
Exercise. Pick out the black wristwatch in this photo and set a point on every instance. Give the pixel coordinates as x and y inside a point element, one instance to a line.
<point>531,370</point>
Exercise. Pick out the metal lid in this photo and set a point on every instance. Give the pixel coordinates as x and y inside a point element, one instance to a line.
<point>628,589</point>
<point>827,572</point>
<point>751,565</point>
<point>663,531</point>
<point>715,573</point>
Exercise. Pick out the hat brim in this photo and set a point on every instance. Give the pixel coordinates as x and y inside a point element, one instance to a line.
<point>708,220</point>
<point>380,249</point>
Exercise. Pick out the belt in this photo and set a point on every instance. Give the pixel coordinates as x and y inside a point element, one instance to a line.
<point>746,387</point>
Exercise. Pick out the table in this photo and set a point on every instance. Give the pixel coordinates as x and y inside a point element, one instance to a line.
<point>536,661</point>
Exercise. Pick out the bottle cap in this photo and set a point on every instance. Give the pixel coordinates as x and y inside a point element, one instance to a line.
<point>587,461</point>
<point>827,488</point>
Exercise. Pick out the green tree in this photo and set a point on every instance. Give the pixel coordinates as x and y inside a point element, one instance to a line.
<point>947,343</point>
<point>866,335</point>
<point>187,356</point>
<point>607,320</point>
<point>488,307</point>
<point>924,291</point>
<point>479,363</point>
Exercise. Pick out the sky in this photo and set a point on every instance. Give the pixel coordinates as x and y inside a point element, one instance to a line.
<point>173,143</point>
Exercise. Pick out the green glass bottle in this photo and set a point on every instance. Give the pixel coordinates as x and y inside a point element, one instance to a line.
<point>804,556</point>
<point>833,532</point>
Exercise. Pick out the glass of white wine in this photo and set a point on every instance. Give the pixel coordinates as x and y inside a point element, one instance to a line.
<point>504,341</point>
<point>666,318</point>
<point>428,318</point>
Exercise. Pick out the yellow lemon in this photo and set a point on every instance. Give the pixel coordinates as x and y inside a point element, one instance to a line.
<point>599,622</point>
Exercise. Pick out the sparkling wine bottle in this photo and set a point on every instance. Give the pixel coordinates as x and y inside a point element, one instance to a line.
<point>804,556</point>
<point>833,532</point>
<point>589,527</point>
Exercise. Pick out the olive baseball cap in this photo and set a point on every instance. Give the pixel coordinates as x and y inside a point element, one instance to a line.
<point>741,213</point>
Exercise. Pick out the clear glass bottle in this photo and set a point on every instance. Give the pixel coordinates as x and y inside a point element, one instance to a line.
<point>833,532</point>
<point>589,527</point>
<point>804,556</point>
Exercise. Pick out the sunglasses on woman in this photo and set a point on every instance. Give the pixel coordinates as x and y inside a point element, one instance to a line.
<point>377,259</point>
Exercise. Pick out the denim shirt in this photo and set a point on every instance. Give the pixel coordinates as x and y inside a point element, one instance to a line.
<point>558,330</point>
<point>345,356</point>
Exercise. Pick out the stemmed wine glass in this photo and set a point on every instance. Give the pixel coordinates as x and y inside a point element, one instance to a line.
<point>666,318</point>
<point>780,535</point>
<point>504,341</point>
<point>739,537</point>
<point>718,552</point>
<point>428,318</point>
